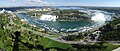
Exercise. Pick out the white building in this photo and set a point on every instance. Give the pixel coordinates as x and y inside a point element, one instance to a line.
<point>4,11</point>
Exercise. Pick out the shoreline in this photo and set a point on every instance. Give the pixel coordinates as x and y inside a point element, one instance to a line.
<point>73,30</point>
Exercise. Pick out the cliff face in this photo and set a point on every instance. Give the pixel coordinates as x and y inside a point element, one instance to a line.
<point>71,15</point>
<point>73,18</point>
<point>63,15</point>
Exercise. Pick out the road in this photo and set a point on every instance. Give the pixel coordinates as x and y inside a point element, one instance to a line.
<point>58,38</point>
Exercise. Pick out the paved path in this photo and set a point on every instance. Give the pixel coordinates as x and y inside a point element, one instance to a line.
<point>58,38</point>
<point>118,49</point>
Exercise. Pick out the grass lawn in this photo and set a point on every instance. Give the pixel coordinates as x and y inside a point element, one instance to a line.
<point>48,43</point>
<point>111,47</point>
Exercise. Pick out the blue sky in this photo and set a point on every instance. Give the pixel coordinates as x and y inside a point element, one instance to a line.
<point>110,3</point>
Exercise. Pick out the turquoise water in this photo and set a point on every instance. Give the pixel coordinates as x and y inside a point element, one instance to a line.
<point>57,26</point>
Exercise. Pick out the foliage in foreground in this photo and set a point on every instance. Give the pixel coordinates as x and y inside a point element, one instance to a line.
<point>111,31</point>
<point>11,40</point>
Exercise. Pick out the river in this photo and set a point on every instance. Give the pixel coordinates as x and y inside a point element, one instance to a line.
<point>67,26</point>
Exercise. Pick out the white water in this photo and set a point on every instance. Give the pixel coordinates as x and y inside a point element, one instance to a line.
<point>48,17</point>
<point>99,17</point>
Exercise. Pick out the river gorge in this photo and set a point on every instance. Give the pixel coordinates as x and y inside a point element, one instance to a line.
<point>48,22</point>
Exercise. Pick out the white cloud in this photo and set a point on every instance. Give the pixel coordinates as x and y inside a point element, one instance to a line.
<point>37,2</point>
<point>42,2</point>
<point>13,0</point>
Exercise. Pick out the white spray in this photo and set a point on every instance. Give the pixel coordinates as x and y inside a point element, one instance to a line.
<point>98,17</point>
<point>48,17</point>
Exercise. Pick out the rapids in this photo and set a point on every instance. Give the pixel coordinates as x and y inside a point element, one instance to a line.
<point>48,22</point>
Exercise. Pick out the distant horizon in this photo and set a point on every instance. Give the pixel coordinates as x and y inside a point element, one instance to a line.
<point>54,6</point>
<point>92,3</point>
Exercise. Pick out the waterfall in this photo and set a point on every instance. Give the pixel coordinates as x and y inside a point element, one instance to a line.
<point>48,17</point>
<point>98,17</point>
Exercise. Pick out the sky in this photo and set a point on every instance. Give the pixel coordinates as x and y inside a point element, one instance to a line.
<point>108,3</point>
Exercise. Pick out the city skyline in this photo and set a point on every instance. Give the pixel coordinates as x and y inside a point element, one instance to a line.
<point>106,3</point>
